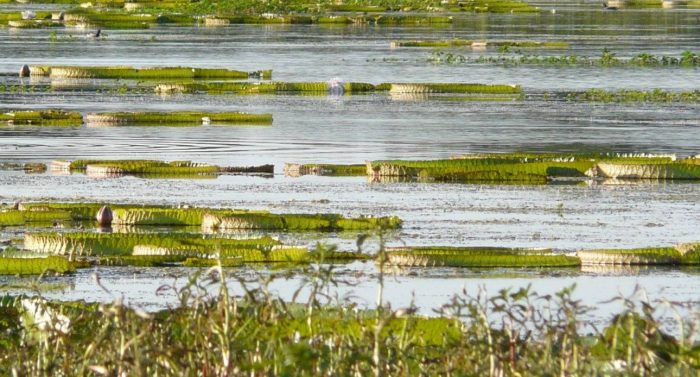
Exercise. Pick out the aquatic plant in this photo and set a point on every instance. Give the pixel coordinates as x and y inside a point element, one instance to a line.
<point>41,118</point>
<point>17,218</point>
<point>154,168</point>
<point>124,72</point>
<point>35,266</point>
<point>124,244</point>
<point>324,88</point>
<point>477,257</point>
<point>539,168</point>
<point>606,59</point>
<point>296,222</point>
<point>486,169</point>
<point>334,170</point>
<point>443,43</point>
<point>514,332</point>
<point>176,118</point>
<point>626,95</point>
<point>454,88</point>
<point>686,254</point>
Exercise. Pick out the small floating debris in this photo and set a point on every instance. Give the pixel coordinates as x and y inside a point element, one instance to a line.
<point>176,118</point>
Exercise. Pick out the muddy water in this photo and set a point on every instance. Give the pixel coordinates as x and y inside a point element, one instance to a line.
<point>357,128</point>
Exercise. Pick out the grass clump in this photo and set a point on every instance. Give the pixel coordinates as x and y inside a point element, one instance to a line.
<point>52,118</point>
<point>478,257</point>
<point>35,266</point>
<point>177,118</point>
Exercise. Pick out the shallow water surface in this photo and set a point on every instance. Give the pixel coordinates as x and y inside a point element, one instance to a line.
<point>353,129</point>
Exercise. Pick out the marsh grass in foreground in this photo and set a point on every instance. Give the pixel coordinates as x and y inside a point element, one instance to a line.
<point>245,330</point>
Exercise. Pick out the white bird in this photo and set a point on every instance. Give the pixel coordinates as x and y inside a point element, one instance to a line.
<point>336,86</point>
<point>28,15</point>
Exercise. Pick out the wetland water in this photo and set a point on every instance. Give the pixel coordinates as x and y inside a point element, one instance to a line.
<point>352,129</point>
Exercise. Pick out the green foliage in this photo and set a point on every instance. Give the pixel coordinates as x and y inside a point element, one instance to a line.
<point>298,222</point>
<point>190,117</point>
<point>123,244</point>
<point>141,260</point>
<point>626,95</point>
<point>35,266</point>
<point>17,218</point>
<point>42,118</point>
<point>607,58</point>
<point>538,168</point>
<point>333,170</point>
<point>445,43</point>
<point>479,257</point>
<point>161,73</point>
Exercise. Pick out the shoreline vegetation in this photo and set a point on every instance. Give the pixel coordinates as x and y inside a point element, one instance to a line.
<point>512,332</point>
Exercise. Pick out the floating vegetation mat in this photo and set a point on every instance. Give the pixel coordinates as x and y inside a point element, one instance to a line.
<point>159,249</point>
<point>41,118</point>
<point>36,266</point>
<point>625,95</point>
<point>682,254</point>
<point>335,88</point>
<point>153,168</point>
<point>13,217</point>
<point>443,256</point>
<point>296,170</point>
<point>210,218</point>
<point>123,72</point>
<point>540,168</point>
<point>296,222</point>
<point>478,44</point>
<point>477,257</point>
<point>176,118</point>
<point>142,244</point>
<point>125,19</point>
<point>607,59</point>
